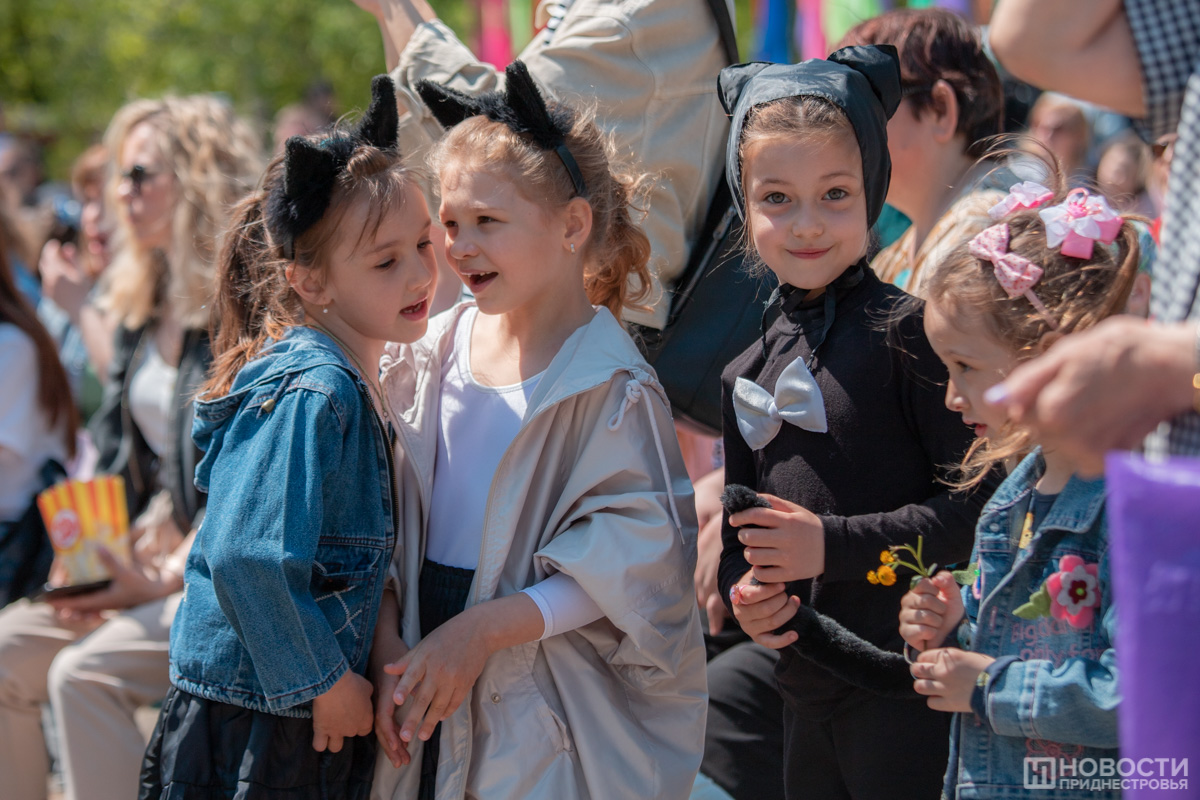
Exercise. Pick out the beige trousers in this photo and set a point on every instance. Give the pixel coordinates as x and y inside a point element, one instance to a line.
<point>95,678</point>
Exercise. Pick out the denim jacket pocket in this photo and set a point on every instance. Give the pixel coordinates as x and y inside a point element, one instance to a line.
<point>342,585</point>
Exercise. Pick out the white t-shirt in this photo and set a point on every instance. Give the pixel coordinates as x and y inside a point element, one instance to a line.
<point>477,425</point>
<point>151,392</point>
<point>26,438</point>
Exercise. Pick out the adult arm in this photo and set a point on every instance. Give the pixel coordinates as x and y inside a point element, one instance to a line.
<point>1084,50</point>
<point>1104,388</point>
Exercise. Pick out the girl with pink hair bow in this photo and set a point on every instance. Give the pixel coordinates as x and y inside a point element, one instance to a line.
<point>1052,264</point>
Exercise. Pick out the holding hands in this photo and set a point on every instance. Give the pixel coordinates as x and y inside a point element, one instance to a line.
<point>760,608</point>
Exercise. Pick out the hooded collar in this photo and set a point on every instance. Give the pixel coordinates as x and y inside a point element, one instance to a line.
<point>863,81</point>
<point>589,357</point>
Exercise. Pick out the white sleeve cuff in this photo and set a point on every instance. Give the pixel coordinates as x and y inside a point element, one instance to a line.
<point>564,604</point>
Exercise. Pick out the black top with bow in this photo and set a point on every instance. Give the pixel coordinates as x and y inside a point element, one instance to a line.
<point>873,476</point>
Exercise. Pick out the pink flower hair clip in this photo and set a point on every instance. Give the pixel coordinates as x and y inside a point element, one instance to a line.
<point>1016,274</point>
<point>1076,224</point>
<point>1025,194</point>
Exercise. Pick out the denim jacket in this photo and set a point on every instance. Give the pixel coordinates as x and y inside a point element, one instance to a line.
<point>1058,698</point>
<point>283,585</point>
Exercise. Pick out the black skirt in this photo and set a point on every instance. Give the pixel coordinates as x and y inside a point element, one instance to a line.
<point>205,750</point>
<point>442,593</point>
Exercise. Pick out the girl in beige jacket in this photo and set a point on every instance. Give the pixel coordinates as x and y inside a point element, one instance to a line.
<point>543,610</point>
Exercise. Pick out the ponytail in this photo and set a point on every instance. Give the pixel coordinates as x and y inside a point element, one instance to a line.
<point>253,302</point>
<point>624,252</point>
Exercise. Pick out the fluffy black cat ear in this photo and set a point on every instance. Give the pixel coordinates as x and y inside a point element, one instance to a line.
<point>380,125</point>
<point>880,65</point>
<point>448,106</point>
<point>309,172</point>
<point>525,99</point>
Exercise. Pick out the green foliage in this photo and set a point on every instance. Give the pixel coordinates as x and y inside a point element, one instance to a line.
<point>68,65</point>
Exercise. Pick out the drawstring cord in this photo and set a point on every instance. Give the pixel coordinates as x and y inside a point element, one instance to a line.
<point>633,394</point>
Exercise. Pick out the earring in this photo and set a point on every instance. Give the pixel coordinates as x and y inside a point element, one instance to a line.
<point>572,247</point>
<point>325,309</point>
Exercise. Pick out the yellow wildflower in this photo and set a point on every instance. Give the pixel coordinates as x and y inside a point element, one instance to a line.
<point>872,577</point>
<point>886,575</point>
<point>886,557</point>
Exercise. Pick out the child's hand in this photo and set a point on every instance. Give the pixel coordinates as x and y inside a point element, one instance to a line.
<point>947,677</point>
<point>342,712</point>
<point>387,649</point>
<point>788,543</point>
<point>761,608</point>
<point>438,673</point>
<point>931,611</point>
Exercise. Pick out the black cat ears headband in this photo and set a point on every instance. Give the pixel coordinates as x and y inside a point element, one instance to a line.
<point>310,168</point>
<point>520,106</point>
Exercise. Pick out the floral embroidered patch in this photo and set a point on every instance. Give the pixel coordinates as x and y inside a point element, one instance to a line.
<point>1072,593</point>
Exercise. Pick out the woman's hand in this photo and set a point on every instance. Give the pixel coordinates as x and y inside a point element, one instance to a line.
<point>131,586</point>
<point>931,611</point>
<point>760,608</point>
<point>63,279</point>
<point>785,543</point>
<point>342,712</point>
<point>947,677</point>
<point>1102,389</point>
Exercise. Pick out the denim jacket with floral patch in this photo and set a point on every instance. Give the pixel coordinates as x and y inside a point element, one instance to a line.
<point>1057,698</point>
<point>283,585</point>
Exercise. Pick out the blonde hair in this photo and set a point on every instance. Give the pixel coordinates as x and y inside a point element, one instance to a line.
<point>1077,294</point>
<point>215,158</point>
<point>254,302</point>
<point>803,117</point>
<point>617,253</point>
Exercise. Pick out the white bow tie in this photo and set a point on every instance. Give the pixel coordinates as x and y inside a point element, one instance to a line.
<point>797,400</point>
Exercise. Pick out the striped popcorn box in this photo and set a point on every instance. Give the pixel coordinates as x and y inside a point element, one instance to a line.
<point>81,515</point>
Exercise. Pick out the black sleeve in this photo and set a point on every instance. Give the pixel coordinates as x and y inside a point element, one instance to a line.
<point>947,518</point>
<point>739,468</point>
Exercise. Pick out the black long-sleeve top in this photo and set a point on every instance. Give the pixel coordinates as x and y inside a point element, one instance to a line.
<point>873,477</point>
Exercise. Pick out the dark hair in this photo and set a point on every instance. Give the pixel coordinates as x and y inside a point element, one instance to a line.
<point>617,249</point>
<point>254,302</point>
<point>54,390</point>
<point>935,44</point>
<point>1077,294</point>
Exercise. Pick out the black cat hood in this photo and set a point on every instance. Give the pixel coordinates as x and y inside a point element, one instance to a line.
<point>863,81</point>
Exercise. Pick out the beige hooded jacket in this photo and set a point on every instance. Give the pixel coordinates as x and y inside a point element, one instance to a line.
<point>593,485</point>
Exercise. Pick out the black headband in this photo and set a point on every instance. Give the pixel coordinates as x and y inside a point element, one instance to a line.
<point>310,168</point>
<point>520,106</point>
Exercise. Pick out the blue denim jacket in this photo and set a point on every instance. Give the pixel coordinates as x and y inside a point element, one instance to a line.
<point>283,584</point>
<point>1058,699</point>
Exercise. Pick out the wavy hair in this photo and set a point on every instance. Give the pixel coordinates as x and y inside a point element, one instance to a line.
<point>1077,294</point>
<point>215,158</point>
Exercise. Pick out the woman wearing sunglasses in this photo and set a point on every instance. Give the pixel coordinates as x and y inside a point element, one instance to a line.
<point>178,165</point>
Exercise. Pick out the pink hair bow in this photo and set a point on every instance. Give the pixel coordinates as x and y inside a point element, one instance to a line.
<point>1077,223</point>
<point>1017,275</point>
<point>1025,194</point>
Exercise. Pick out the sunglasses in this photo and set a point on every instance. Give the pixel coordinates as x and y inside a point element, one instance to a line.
<point>1163,145</point>
<point>137,175</point>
